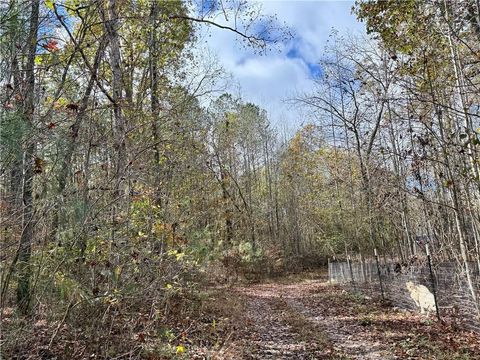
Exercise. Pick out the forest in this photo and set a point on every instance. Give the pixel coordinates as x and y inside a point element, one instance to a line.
<point>148,210</point>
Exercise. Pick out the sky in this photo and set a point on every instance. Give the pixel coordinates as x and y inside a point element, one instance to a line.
<point>269,79</point>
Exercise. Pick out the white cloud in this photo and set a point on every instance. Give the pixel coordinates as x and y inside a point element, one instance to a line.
<point>269,79</point>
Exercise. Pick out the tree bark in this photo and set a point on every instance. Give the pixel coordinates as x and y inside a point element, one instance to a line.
<point>154,100</point>
<point>111,24</point>
<point>26,239</point>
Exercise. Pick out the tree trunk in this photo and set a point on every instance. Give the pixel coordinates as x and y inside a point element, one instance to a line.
<point>155,104</point>
<point>26,239</point>
<point>111,24</point>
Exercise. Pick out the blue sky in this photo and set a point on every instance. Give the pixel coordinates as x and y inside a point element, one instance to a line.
<point>269,79</point>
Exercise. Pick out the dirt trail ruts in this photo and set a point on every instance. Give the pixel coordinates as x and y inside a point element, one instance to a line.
<point>303,320</point>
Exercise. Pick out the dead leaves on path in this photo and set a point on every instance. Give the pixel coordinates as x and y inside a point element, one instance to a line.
<point>403,334</point>
<point>313,320</point>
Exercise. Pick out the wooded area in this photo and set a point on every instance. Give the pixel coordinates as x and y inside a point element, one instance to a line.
<point>132,177</point>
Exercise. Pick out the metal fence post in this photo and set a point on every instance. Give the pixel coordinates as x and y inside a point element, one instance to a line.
<point>432,279</point>
<point>379,273</point>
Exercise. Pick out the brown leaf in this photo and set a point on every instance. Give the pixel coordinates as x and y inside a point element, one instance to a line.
<point>39,165</point>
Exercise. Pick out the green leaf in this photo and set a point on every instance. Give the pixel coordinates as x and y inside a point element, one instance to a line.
<point>49,4</point>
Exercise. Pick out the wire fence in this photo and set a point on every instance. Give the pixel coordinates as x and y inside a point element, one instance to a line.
<point>442,288</point>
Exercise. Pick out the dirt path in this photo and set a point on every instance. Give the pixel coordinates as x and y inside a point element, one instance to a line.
<point>311,319</point>
<point>304,320</point>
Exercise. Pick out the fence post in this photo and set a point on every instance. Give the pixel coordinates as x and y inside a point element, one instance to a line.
<point>364,270</point>
<point>379,273</point>
<point>351,271</point>
<point>432,279</point>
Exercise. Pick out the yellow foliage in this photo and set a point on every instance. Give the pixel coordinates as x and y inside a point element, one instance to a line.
<point>180,349</point>
<point>49,4</point>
